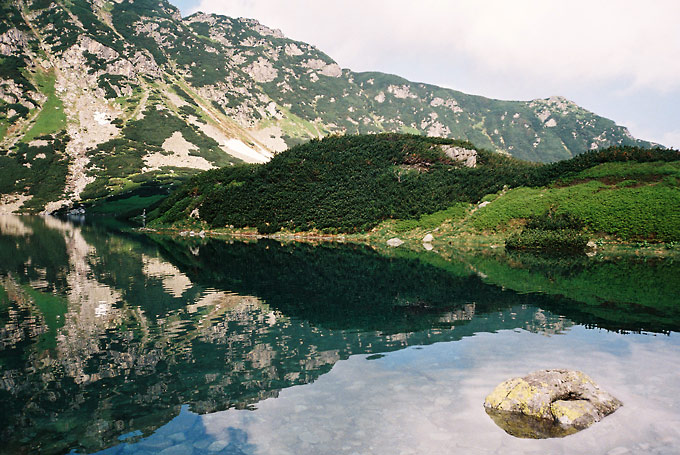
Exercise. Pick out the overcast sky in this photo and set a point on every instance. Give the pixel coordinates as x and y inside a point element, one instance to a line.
<point>617,58</point>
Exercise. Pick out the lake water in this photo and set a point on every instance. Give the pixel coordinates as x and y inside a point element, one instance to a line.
<point>120,343</point>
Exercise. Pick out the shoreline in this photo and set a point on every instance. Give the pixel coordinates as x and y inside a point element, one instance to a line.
<point>411,242</point>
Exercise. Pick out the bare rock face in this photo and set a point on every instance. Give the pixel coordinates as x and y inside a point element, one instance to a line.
<point>12,41</point>
<point>467,156</point>
<point>262,70</point>
<point>549,404</point>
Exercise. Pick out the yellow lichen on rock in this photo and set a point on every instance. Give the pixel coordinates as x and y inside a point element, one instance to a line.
<point>548,403</point>
<point>500,393</point>
<point>571,412</point>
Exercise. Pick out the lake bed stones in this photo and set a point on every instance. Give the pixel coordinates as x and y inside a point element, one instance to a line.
<point>548,404</point>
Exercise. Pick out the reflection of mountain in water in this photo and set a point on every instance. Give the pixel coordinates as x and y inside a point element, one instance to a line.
<point>100,335</point>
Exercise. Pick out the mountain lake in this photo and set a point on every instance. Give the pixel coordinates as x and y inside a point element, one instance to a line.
<point>118,342</point>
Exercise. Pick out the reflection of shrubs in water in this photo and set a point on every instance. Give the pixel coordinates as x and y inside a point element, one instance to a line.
<point>562,240</point>
<point>551,265</point>
<point>550,232</point>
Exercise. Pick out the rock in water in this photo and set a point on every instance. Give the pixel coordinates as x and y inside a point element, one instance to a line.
<point>395,242</point>
<point>548,404</point>
<point>428,238</point>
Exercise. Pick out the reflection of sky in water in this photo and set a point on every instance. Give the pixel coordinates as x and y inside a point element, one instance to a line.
<point>122,337</point>
<point>428,400</point>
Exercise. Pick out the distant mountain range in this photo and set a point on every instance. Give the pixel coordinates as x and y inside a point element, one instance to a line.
<point>101,97</point>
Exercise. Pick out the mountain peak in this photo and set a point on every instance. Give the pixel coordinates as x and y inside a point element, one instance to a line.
<point>106,97</point>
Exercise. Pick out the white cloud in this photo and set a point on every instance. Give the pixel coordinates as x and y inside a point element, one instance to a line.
<point>671,139</point>
<point>668,137</point>
<point>614,54</point>
<point>580,41</point>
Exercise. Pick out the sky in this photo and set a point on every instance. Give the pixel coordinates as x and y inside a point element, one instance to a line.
<point>617,58</point>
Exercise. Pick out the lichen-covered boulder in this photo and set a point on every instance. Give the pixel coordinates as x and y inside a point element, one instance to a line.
<point>548,404</point>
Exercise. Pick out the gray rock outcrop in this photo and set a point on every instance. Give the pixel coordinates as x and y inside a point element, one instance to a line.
<point>395,242</point>
<point>548,404</point>
<point>12,41</point>
<point>467,156</point>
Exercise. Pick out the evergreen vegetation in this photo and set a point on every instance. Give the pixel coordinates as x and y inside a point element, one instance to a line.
<point>342,184</point>
<point>40,168</point>
<point>550,232</point>
<point>352,183</point>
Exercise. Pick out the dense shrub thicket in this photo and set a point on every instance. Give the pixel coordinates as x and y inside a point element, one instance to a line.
<point>342,183</point>
<point>351,183</point>
<point>551,232</point>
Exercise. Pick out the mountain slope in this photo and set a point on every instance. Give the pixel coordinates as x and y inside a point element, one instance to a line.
<point>100,97</point>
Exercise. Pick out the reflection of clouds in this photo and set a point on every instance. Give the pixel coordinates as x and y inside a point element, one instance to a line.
<point>174,281</point>
<point>430,400</point>
<point>13,226</point>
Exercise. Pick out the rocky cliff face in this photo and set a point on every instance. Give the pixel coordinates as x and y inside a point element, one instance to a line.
<point>100,97</point>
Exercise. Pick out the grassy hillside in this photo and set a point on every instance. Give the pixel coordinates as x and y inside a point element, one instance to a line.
<point>628,200</point>
<point>353,183</point>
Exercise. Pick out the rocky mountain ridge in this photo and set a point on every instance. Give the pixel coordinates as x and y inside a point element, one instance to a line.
<point>102,97</point>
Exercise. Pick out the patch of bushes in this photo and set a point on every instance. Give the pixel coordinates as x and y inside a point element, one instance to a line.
<point>550,232</point>
<point>108,81</point>
<point>184,95</point>
<point>12,68</point>
<point>551,221</point>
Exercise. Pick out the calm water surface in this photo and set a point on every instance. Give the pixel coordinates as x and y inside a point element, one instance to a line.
<point>119,343</point>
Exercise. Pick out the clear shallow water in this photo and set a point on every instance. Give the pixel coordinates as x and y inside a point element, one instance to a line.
<point>128,344</point>
<point>429,401</point>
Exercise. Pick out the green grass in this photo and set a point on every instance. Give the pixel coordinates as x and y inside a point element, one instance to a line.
<point>525,203</point>
<point>433,220</point>
<point>293,126</point>
<point>51,118</point>
<point>408,130</point>
<point>645,212</point>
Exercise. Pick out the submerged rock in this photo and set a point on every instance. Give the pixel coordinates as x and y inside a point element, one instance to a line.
<point>428,238</point>
<point>548,404</point>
